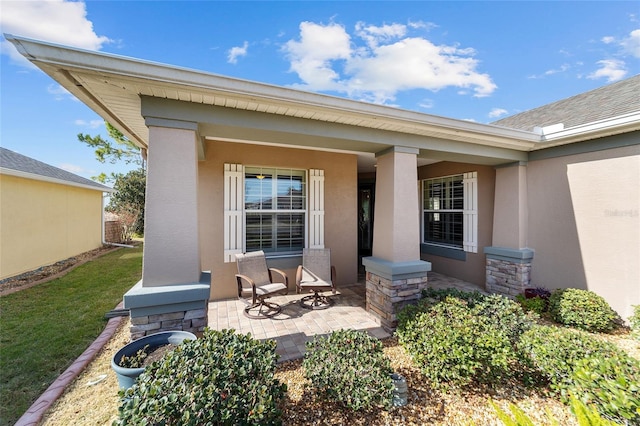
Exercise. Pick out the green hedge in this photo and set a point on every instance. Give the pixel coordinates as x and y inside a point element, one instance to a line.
<point>582,309</point>
<point>349,367</point>
<point>222,378</point>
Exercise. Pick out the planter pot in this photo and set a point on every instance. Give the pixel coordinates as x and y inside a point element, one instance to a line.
<point>127,376</point>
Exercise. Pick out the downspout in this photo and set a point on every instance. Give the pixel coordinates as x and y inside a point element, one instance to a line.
<point>104,242</point>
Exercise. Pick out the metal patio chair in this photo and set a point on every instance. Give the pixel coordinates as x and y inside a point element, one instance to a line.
<point>316,274</point>
<point>256,281</point>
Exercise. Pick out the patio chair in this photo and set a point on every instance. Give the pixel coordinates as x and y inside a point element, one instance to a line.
<point>256,281</point>
<point>316,274</point>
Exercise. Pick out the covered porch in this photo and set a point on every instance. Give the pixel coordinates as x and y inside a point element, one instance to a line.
<point>292,328</point>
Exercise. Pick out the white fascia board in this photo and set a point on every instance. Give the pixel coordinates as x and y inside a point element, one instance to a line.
<point>33,176</point>
<point>101,63</point>
<point>621,124</point>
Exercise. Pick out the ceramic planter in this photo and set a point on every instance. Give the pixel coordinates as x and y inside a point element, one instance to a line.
<point>127,376</point>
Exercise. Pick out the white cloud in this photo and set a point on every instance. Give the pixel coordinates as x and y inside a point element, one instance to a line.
<point>497,112</point>
<point>631,44</point>
<point>92,124</point>
<point>608,39</point>
<point>611,69</point>
<point>426,104</point>
<point>57,21</point>
<point>561,69</point>
<point>385,61</point>
<point>59,93</point>
<point>72,168</point>
<point>236,52</point>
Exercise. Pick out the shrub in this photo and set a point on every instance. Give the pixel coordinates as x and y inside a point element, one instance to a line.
<point>507,315</point>
<point>454,343</point>
<point>581,309</point>
<point>535,304</point>
<point>612,384</point>
<point>349,367</point>
<point>221,378</point>
<point>555,351</point>
<point>584,414</point>
<point>635,322</point>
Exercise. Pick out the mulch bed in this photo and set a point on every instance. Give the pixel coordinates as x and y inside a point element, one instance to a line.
<point>49,272</point>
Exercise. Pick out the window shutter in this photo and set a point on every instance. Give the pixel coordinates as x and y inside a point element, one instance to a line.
<point>316,208</point>
<point>470,216</point>
<point>233,211</point>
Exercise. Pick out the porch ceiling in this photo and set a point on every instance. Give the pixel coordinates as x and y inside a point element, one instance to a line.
<point>115,87</point>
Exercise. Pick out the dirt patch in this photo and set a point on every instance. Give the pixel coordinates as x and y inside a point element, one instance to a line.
<point>50,272</point>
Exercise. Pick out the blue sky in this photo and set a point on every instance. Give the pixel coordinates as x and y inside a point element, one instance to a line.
<point>477,61</point>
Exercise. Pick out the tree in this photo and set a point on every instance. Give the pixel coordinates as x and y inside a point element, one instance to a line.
<point>122,150</point>
<point>128,200</point>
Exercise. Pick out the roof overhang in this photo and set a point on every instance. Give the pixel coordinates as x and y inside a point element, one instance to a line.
<point>116,88</point>
<point>26,175</point>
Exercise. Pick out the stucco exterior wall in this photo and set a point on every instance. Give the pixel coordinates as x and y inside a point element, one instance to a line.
<point>473,268</point>
<point>584,224</point>
<point>42,223</point>
<point>340,197</point>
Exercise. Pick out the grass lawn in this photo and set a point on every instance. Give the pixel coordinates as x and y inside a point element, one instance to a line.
<point>44,328</point>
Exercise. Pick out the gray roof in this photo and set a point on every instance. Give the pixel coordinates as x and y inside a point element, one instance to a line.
<point>609,101</point>
<point>21,163</point>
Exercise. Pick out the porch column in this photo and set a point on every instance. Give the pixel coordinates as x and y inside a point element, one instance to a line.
<point>395,273</point>
<point>173,292</point>
<point>508,263</point>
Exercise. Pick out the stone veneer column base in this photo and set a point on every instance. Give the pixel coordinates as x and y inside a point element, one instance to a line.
<point>508,271</point>
<point>170,307</point>
<point>391,286</point>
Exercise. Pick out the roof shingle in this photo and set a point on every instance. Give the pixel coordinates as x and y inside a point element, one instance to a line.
<point>21,163</point>
<point>609,101</point>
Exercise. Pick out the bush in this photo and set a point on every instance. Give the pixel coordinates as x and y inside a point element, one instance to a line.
<point>581,309</point>
<point>349,367</point>
<point>221,378</point>
<point>535,304</point>
<point>585,415</point>
<point>457,340</point>
<point>611,384</point>
<point>635,322</point>
<point>554,352</point>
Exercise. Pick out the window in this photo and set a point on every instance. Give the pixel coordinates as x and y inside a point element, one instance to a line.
<point>279,211</point>
<point>449,216</point>
<point>275,209</point>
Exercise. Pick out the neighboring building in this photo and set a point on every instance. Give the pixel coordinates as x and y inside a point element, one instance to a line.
<point>46,214</point>
<point>236,166</point>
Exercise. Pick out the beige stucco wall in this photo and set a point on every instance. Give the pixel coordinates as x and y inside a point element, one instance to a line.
<point>42,223</point>
<point>340,196</point>
<point>473,268</point>
<point>584,224</point>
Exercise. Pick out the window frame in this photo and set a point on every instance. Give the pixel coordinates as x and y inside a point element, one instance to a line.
<point>469,212</point>
<point>274,212</point>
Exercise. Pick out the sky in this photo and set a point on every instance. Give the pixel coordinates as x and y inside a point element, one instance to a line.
<point>478,60</point>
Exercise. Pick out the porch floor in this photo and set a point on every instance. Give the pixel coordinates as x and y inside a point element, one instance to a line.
<point>296,325</point>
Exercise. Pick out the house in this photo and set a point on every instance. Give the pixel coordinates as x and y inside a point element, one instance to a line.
<point>46,214</point>
<point>545,198</point>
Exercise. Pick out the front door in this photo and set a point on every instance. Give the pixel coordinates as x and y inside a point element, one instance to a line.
<point>366,197</point>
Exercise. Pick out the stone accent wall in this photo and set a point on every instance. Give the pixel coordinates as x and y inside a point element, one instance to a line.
<point>506,277</point>
<point>113,231</point>
<point>193,321</point>
<point>386,297</point>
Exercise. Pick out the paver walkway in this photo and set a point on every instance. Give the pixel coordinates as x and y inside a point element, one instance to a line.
<point>296,325</point>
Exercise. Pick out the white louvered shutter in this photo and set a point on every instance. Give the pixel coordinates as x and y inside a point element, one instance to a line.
<point>316,208</point>
<point>233,211</point>
<point>470,216</point>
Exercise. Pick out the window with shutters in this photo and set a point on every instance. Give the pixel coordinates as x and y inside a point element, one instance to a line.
<point>279,211</point>
<point>449,216</point>
<point>275,204</point>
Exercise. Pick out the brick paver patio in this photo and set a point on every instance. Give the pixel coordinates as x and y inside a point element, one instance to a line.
<point>296,325</point>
